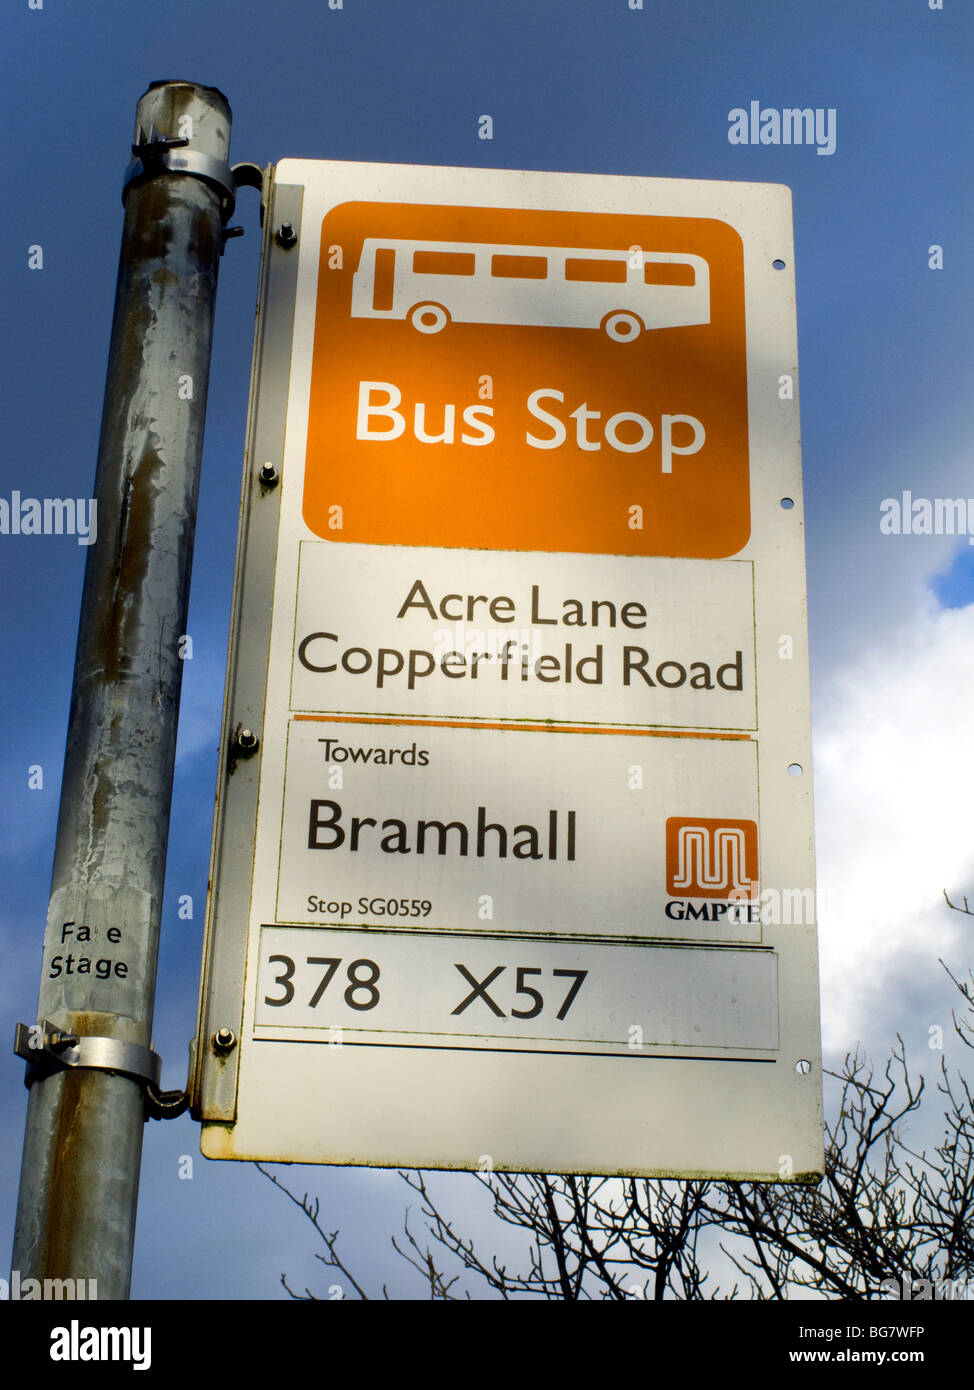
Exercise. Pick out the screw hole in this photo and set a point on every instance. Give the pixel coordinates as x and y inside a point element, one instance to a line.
<point>778,264</point>
<point>795,769</point>
<point>787,503</point>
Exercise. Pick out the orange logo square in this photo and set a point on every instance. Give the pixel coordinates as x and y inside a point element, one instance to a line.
<point>529,380</point>
<point>711,858</point>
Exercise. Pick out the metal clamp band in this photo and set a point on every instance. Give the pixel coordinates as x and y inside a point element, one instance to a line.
<point>48,1049</point>
<point>167,156</point>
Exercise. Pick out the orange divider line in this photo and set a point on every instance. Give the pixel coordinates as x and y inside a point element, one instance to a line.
<point>530,728</point>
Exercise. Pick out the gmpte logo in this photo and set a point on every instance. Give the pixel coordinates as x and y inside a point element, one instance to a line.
<point>712,858</point>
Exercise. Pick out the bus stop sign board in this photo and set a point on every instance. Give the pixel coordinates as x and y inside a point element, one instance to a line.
<point>519,874</point>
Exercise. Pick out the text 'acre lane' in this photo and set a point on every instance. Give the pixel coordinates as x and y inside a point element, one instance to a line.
<point>458,608</point>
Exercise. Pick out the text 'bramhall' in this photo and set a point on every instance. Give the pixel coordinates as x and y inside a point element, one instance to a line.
<point>791,126</point>
<point>326,831</point>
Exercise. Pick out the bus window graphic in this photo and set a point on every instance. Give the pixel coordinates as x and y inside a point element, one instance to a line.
<point>623,293</point>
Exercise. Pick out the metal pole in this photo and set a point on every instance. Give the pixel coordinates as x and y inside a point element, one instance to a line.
<point>83,1141</point>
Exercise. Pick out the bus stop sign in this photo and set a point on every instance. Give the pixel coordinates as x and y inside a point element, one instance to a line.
<point>513,849</point>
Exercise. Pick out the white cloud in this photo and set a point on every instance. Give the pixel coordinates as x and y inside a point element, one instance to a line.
<point>894,790</point>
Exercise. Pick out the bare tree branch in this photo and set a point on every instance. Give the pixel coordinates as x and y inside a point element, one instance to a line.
<point>883,1211</point>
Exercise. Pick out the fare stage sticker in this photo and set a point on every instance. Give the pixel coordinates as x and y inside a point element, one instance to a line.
<point>525,379</point>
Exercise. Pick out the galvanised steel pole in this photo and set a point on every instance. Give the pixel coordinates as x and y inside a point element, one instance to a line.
<point>83,1142</point>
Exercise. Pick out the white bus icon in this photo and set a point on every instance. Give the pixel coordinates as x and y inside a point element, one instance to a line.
<point>430,283</point>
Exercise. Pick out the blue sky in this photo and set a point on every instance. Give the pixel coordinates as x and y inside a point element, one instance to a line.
<point>885,352</point>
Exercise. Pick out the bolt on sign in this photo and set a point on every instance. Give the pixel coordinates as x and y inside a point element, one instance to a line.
<point>512,859</point>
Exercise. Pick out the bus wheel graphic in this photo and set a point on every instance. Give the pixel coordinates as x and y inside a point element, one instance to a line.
<point>622,327</point>
<point>428,318</point>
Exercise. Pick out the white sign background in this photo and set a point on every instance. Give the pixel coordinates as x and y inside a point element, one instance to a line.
<point>746,1101</point>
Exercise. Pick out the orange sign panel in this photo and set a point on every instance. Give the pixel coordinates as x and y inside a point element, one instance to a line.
<point>516,379</point>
